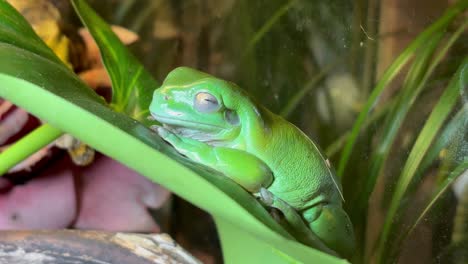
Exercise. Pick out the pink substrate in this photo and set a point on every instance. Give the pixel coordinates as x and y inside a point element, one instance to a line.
<point>48,191</point>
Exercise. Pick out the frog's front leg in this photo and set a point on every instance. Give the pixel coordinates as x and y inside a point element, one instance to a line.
<point>331,223</point>
<point>242,167</point>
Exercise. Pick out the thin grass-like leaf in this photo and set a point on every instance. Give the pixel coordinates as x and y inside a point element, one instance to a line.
<point>442,188</point>
<point>391,72</point>
<point>311,84</point>
<point>267,26</point>
<point>417,78</point>
<point>458,123</point>
<point>409,94</point>
<point>460,221</point>
<point>431,127</point>
<point>336,145</point>
<point>123,10</point>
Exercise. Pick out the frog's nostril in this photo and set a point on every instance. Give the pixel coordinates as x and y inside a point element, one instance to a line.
<point>166,97</point>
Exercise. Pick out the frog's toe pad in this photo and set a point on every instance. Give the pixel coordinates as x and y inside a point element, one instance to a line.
<point>155,127</point>
<point>162,132</point>
<point>168,136</point>
<point>266,196</point>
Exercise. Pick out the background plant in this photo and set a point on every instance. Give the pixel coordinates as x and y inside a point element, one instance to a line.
<point>407,137</point>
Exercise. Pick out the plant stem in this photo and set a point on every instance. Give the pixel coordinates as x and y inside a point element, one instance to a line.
<point>27,146</point>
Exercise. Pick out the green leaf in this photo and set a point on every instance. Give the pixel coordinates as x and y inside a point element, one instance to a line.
<point>336,145</point>
<point>132,85</point>
<point>72,109</point>
<point>458,123</point>
<point>267,26</point>
<point>391,72</point>
<point>308,87</point>
<point>460,221</point>
<point>441,189</point>
<point>33,78</point>
<point>421,70</point>
<point>409,92</point>
<point>420,147</point>
<point>15,30</point>
<point>26,146</point>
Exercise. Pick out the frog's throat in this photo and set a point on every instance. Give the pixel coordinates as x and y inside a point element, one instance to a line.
<point>195,125</point>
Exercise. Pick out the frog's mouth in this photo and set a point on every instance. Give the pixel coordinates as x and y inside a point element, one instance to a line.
<point>172,122</point>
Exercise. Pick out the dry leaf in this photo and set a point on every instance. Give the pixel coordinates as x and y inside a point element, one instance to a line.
<point>45,18</point>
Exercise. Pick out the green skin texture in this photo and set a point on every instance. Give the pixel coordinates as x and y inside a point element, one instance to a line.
<point>255,148</point>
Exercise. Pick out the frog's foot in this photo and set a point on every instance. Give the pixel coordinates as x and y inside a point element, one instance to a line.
<point>267,199</point>
<point>265,196</point>
<point>332,225</point>
<point>164,133</point>
<point>193,149</point>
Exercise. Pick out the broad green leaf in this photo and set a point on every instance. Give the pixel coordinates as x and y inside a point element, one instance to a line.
<point>391,72</point>
<point>111,45</point>
<point>132,85</point>
<point>33,78</point>
<point>72,109</point>
<point>423,142</point>
<point>114,52</point>
<point>15,31</point>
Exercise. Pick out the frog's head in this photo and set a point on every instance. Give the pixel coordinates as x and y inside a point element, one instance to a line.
<point>197,105</point>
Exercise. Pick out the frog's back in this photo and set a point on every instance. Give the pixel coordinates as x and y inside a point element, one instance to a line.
<point>303,176</point>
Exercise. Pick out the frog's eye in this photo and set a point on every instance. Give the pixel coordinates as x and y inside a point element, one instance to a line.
<point>206,103</point>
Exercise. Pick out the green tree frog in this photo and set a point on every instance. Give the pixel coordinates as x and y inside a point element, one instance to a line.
<point>215,123</point>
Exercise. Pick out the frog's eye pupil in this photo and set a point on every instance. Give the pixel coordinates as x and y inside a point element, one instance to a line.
<point>206,103</point>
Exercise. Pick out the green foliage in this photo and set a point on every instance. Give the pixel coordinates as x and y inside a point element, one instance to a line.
<point>32,77</point>
<point>132,85</point>
<point>284,54</point>
<point>423,142</point>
